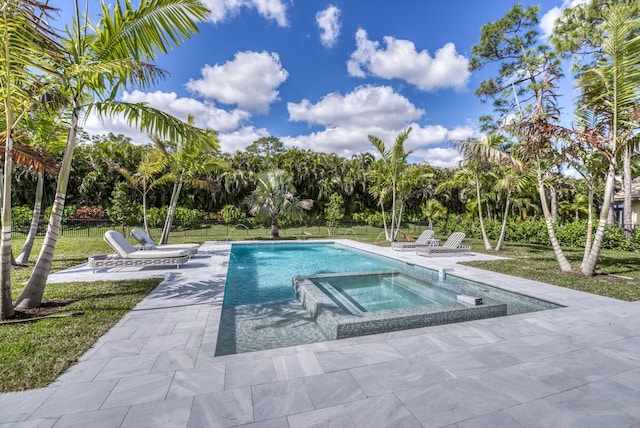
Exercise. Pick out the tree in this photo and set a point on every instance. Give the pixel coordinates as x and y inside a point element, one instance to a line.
<point>386,176</point>
<point>523,92</point>
<point>433,210</point>
<point>273,196</point>
<point>28,47</point>
<point>611,92</point>
<point>334,211</point>
<point>146,178</point>
<point>190,162</point>
<point>100,59</point>
<point>42,130</point>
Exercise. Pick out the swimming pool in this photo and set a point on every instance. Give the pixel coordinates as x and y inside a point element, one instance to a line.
<point>261,273</point>
<point>261,309</point>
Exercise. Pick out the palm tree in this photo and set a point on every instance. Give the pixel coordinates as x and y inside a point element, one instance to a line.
<point>28,47</point>
<point>117,52</point>
<point>611,90</point>
<point>273,196</point>
<point>43,131</point>
<point>190,162</point>
<point>145,179</point>
<point>386,179</point>
<point>432,209</point>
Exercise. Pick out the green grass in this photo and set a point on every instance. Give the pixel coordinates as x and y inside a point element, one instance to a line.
<point>618,272</point>
<point>33,354</point>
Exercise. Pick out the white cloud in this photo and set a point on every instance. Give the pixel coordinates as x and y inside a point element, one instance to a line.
<point>206,115</point>
<point>548,20</point>
<point>222,10</point>
<point>400,60</point>
<point>250,80</point>
<point>443,157</point>
<point>241,138</point>
<point>364,106</point>
<point>328,21</point>
<point>373,110</point>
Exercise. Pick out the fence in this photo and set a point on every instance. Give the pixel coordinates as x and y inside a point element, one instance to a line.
<point>214,230</point>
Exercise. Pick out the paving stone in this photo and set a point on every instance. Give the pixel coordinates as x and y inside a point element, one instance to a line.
<point>139,389</point>
<point>106,418</point>
<point>222,409</point>
<point>330,389</point>
<point>329,417</point>
<point>382,411</point>
<point>175,359</point>
<point>273,400</point>
<point>127,366</point>
<point>339,359</point>
<point>492,420</point>
<point>249,373</point>
<point>17,406</point>
<point>197,381</point>
<point>380,379</point>
<point>296,365</point>
<point>168,413</point>
<point>75,397</point>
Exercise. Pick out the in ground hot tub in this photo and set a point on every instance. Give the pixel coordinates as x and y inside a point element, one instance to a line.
<point>355,304</point>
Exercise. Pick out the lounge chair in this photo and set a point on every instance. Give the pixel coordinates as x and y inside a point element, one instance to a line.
<point>450,247</point>
<point>127,255</point>
<point>147,243</point>
<point>424,240</point>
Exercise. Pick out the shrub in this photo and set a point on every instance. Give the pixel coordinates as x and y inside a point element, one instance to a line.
<point>21,216</point>
<point>89,213</point>
<point>233,215</point>
<point>187,218</point>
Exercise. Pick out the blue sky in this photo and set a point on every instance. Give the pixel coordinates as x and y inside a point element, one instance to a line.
<point>323,75</point>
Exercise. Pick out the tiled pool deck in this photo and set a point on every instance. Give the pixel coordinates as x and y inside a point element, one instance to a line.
<point>577,366</point>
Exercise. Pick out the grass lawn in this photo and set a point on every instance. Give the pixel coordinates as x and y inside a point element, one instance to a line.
<point>33,354</point>
<point>617,272</point>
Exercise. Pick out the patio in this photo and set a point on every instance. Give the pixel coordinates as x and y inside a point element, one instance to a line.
<point>574,366</point>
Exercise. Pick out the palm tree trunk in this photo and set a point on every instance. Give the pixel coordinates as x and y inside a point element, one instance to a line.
<point>145,220</point>
<point>554,203</point>
<point>503,229</point>
<point>6,306</point>
<point>589,237</point>
<point>172,210</point>
<point>487,244</point>
<point>626,188</point>
<point>23,257</point>
<point>564,264</point>
<point>275,230</point>
<point>31,296</point>
<point>387,235</point>
<point>589,266</point>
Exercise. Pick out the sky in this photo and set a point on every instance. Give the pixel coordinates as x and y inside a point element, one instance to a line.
<point>323,75</point>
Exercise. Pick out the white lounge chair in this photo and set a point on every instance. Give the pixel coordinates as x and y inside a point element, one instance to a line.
<point>147,243</point>
<point>425,239</point>
<point>450,247</point>
<point>127,255</point>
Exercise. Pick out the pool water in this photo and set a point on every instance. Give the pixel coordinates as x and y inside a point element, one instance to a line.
<point>261,273</point>
<point>383,291</point>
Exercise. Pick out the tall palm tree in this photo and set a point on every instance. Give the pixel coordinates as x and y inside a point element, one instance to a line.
<point>28,47</point>
<point>190,162</point>
<point>273,196</point>
<point>611,89</point>
<point>101,58</point>
<point>386,178</point>
<point>44,132</point>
